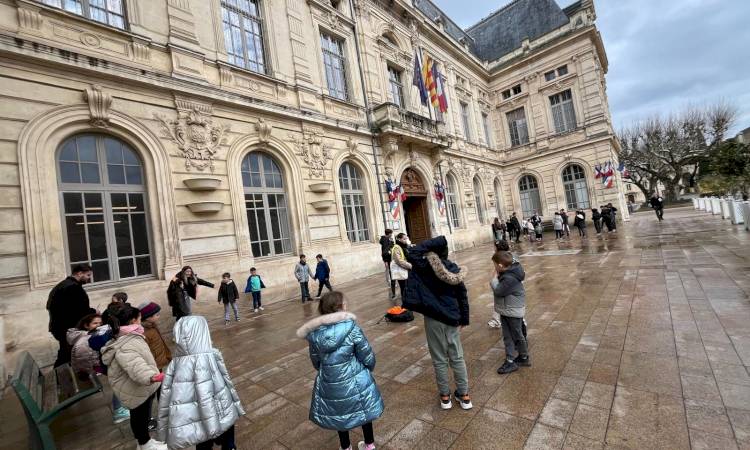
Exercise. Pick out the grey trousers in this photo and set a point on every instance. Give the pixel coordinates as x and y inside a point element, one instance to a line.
<point>232,306</point>
<point>513,338</point>
<point>444,343</point>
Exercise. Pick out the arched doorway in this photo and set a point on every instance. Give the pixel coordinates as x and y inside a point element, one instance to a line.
<point>416,216</point>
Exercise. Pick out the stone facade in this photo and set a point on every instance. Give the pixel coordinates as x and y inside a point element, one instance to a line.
<point>160,80</point>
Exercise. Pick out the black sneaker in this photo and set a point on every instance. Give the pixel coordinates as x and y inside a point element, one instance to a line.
<point>523,360</point>
<point>507,367</point>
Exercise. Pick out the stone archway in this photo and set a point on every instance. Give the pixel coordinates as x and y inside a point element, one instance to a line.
<point>416,213</point>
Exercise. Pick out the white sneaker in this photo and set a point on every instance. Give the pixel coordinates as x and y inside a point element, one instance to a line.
<point>153,445</point>
<point>493,323</point>
<point>446,404</point>
<point>255,310</point>
<point>261,308</point>
<point>362,446</point>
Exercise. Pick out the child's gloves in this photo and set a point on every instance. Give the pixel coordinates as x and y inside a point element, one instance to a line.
<point>158,378</point>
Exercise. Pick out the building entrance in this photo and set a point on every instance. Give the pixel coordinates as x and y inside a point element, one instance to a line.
<point>416,214</point>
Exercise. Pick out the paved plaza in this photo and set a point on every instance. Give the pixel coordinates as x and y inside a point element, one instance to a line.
<point>638,340</point>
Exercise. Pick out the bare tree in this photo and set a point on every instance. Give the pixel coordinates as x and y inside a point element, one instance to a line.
<point>666,149</point>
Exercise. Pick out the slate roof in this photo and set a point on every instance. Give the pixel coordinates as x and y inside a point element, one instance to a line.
<point>505,29</point>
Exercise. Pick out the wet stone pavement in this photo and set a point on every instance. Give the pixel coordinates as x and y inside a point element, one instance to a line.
<point>638,340</point>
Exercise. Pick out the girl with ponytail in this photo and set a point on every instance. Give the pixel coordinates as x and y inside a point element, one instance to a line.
<point>132,371</point>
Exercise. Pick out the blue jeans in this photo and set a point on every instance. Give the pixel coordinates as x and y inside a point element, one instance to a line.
<point>256,299</point>
<point>305,290</point>
<point>116,404</point>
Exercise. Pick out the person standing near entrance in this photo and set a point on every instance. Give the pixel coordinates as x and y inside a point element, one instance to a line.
<point>498,229</point>
<point>657,203</point>
<point>516,226</point>
<point>322,274</point>
<point>303,273</point>
<point>536,220</point>
<point>596,217</point>
<point>67,304</point>
<point>613,216</point>
<point>580,223</point>
<point>565,227</point>
<point>386,244</point>
<point>398,254</point>
<point>557,224</point>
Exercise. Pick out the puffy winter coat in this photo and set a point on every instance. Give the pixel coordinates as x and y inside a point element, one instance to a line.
<point>228,292</point>
<point>557,222</point>
<point>157,345</point>
<point>435,286</point>
<point>322,271</point>
<point>509,293</point>
<point>302,272</point>
<point>130,366</point>
<point>82,357</point>
<point>580,220</point>
<point>198,400</point>
<point>181,293</point>
<point>345,395</point>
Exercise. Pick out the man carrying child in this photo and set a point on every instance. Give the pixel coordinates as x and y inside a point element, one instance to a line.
<point>510,303</point>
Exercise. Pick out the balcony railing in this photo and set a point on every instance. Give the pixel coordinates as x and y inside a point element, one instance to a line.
<point>391,119</point>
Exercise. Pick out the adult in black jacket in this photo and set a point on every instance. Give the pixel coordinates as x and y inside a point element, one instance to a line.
<point>657,203</point>
<point>580,222</point>
<point>386,244</point>
<point>612,217</point>
<point>516,225</point>
<point>67,304</point>
<point>435,288</point>
<point>596,216</point>
<point>182,290</point>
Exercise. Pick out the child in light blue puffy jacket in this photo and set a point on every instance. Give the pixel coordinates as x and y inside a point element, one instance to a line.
<point>345,395</point>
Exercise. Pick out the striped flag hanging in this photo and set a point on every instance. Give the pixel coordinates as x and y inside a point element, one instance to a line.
<point>418,80</point>
<point>442,101</point>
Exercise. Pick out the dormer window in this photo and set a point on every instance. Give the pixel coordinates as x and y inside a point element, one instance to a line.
<point>552,74</point>
<point>512,92</point>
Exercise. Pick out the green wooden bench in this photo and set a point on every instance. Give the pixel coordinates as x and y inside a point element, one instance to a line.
<point>44,397</point>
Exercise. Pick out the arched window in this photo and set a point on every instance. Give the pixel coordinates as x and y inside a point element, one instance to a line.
<point>498,202</point>
<point>353,201</point>
<point>479,199</point>
<point>529,193</point>
<point>451,201</point>
<point>266,205</point>
<point>576,191</point>
<point>103,195</point>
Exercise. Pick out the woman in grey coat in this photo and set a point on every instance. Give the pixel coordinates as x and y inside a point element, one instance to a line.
<point>345,395</point>
<point>198,404</point>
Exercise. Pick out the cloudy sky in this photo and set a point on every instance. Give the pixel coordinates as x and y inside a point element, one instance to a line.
<point>663,54</point>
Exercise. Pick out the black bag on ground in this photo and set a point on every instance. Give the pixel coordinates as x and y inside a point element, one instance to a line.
<point>399,314</point>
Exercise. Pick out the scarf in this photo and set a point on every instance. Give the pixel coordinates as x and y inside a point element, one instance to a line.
<point>131,329</point>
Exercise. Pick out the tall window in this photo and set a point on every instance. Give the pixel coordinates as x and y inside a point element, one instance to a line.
<point>563,112</point>
<point>498,202</point>
<point>486,128</point>
<point>333,60</point>
<point>479,200</point>
<point>243,34</point>
<point>465,120</point>
<point>397,89</point>
<point>519,132</point>
<point>529,193</point>
<point>451,201</point>
<point>110,12</point>
<point>103,197</point>
<point>353,201</point>
<point>266,205</point>
<point>576,191</point>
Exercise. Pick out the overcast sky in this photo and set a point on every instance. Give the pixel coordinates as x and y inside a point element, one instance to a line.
<point>663,54</point>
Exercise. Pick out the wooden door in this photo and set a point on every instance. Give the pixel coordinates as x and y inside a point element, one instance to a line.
<point>417,223</point>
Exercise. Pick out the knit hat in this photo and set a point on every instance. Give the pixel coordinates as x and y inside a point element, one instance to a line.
<point>148,309</point>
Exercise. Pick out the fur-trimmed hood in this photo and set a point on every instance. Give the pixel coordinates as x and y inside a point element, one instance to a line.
<point>325,319</point>
<point>442,272</point>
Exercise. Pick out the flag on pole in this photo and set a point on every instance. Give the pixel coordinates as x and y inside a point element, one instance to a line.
<point>608,175</point>
<point>394,195</point>
<point>623,171</point>
<point>598,171</point>
<point>442,101</point>
<point>418,80</point>
<point>440,197</point>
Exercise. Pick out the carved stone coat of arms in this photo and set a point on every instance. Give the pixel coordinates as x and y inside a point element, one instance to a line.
<point>196,137</point>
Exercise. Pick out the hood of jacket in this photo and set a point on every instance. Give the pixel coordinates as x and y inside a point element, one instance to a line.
<point>73,334</point>
<point>329,330</point>
<point>515,270</point>
<point>447,271</point>
<point>109,350</point>
<point>438,245</point>
<point>191,336</point>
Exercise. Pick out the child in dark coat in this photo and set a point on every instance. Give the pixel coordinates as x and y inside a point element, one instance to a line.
<point>228,294</point>
<point>322,274</point>
<point>510,303</point>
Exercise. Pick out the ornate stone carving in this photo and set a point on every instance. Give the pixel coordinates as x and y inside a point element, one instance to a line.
<point>313,150</point>
<point>226,76</point>
<point>141,52</point>
<point>99,104</point>
<point>29,18</point>
<point>351,146</point>
<point>333,20</point>
<point>390,147</point>
<point>90,40</point>
<point>264,130</point>
<point>194,133</point>
<point>568,156</point>
<point>413,157</point>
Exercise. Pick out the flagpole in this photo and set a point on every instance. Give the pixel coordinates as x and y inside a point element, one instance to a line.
<point>445,199</point>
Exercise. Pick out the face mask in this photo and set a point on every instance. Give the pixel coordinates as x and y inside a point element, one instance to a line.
<point>407,241</point>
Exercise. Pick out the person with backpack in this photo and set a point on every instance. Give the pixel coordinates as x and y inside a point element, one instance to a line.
<point>436,290</point>
<point>536,221</point>
<point>386,244</point>
<point>344,395</point>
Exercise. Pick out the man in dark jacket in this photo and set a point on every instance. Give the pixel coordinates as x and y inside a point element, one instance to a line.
<point>386,244</point>
<point>657,203</point>
<point>516,225</point>
<point>323,275</point>
<point>67,304</point>
<point>435,288</point>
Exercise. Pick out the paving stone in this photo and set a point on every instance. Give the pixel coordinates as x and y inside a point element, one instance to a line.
<point>708,418</point>
<point>598,395</point>
<point>590,422</point>
<point>543,437</point>
<point>557,413</point>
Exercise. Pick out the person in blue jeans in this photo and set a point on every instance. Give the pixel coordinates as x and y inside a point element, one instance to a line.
<point>254,285</point>
<point>303,273</point>
<point>322,274</point>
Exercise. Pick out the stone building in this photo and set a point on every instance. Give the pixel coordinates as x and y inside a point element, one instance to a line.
<point>141,136</point>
